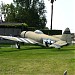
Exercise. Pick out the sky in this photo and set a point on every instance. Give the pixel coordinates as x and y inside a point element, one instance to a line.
<point>63,14</point>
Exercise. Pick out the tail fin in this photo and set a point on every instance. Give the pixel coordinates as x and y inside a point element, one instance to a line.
<point>67,36</point>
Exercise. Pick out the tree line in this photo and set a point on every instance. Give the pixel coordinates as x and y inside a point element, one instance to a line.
<point>31,12</point>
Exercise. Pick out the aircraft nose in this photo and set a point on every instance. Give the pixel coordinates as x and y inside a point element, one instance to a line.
<point>23,34</point>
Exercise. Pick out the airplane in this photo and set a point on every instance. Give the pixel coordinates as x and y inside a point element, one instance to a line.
<point>38,37</point>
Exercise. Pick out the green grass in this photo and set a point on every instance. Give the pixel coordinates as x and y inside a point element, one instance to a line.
<point>36,60</point>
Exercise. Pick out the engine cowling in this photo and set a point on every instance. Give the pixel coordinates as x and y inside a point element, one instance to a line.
<point>23,34</point>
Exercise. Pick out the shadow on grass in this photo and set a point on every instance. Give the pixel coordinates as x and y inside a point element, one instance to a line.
<point>6,49</point>
<point>36,48</point>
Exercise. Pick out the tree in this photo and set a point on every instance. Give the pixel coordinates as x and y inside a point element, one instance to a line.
<point>9,12</point>
<point>31,12</point>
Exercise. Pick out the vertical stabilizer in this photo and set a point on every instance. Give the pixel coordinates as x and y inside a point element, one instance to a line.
<point>67,36</point>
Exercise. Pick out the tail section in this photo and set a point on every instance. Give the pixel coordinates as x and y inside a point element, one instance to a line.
<point>67,36</point>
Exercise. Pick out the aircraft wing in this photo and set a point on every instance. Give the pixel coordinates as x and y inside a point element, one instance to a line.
<point>58,44</point>
<point>18,39</point>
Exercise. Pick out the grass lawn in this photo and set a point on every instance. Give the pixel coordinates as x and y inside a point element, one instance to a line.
<point>36,60</point>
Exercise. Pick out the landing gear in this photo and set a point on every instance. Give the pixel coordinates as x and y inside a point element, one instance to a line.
<point>18,45</point>
<point>46,43</point>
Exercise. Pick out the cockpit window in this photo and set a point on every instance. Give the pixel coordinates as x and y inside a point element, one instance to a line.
<point>38,32</point>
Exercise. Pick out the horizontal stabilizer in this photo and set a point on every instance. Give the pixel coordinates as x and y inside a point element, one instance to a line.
<point>58,44</point>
